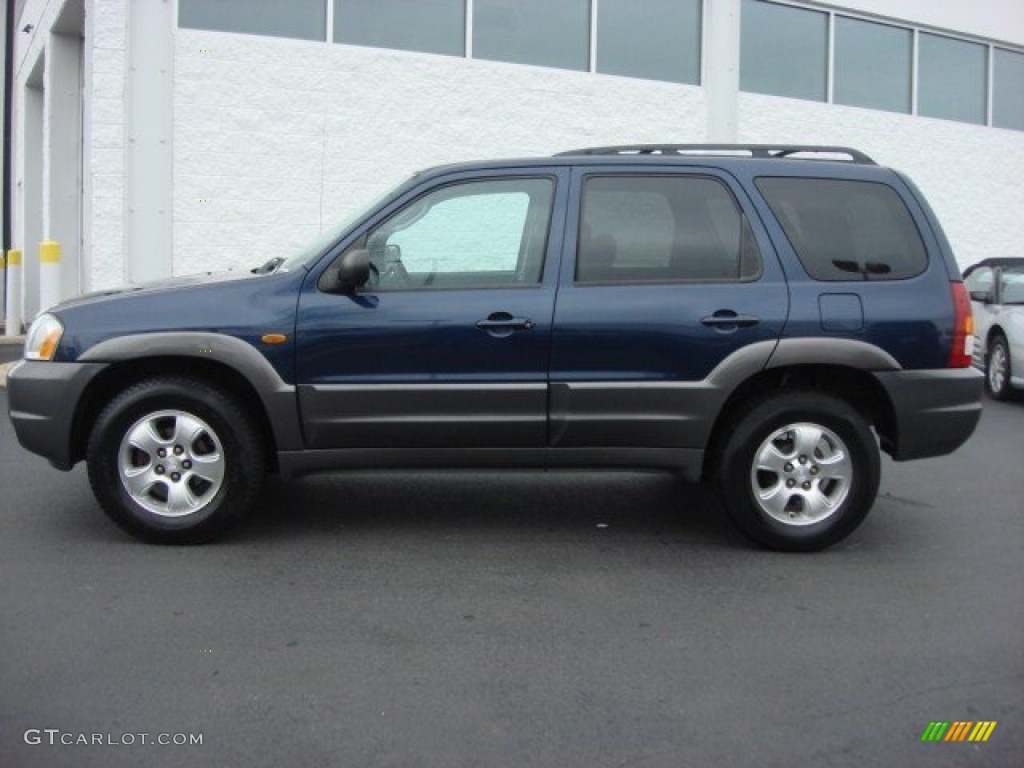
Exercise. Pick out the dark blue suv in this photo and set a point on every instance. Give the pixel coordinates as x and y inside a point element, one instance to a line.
<point>753,316</point>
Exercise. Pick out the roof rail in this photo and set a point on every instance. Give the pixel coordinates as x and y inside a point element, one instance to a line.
<point>741,150</point>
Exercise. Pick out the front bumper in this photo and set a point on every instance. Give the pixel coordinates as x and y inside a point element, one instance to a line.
<point>936,411</point>
<point>42,398</point>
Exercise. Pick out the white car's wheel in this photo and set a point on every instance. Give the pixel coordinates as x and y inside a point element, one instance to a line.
<point>997,368</point>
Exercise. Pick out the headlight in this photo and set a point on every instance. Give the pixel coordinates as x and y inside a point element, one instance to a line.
<point>43,337</point>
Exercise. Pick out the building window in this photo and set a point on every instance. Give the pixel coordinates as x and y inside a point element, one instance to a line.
<point>951,79</point>
<point>1008,90</point>
<point>670,32</point>
<point>663,229</point>
<point>429,26</point>
<point>302,19</point>
<point>872,65</point>
<point>783,50</point>
<point>548,34</point>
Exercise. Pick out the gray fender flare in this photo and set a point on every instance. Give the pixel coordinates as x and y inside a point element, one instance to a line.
<point>278,397</point>
<point>825,351</point>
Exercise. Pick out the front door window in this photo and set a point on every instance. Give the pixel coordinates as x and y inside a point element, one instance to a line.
<point>481,234</point>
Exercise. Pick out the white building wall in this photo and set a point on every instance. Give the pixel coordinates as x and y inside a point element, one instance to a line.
<point>105,65</point>
<point>276,139</point>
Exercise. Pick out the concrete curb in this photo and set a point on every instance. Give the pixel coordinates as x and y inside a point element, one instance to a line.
<point>11,340</point>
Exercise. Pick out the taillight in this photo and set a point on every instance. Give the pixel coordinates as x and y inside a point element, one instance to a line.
<point>963,328</point>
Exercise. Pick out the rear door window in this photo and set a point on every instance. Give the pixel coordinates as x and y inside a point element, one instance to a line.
<point>846,230</point>
<point>672,228</point>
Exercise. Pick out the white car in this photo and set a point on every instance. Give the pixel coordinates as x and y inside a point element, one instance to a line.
<point>997,298</point>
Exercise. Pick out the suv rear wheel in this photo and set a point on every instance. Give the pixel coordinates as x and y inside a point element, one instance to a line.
<point>173,460</point>
<point>799,471</point>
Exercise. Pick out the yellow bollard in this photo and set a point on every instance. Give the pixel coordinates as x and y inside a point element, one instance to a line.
<point>49,273</point>
<point>12,326</point>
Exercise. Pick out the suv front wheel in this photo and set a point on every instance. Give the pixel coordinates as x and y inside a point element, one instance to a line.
<point>173,460</point>
<point>799,471</point>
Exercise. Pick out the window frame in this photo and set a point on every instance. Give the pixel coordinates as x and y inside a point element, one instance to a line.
<point>985,87</point>
<point>828,44</point>
<point>917,31</point>
<point>836,22</point>
<point>597,35</point>
<point>361,241</point>
<point>327,34</point>
<point>585,65</point>
<point>853,277</point>
<point>337,20</point>
<point>747,229</point>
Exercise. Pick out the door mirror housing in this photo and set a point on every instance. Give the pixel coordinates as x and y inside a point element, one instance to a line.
<point>985,297</point>
<point>354,271</point>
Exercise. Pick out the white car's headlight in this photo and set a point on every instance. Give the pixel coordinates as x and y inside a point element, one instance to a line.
<point>43,338</point>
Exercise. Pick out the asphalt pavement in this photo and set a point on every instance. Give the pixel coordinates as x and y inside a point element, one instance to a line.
<point>10,351</point>
<point>520,619</point>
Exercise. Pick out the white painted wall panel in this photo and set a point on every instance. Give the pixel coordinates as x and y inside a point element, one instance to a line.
<point>104,156</point>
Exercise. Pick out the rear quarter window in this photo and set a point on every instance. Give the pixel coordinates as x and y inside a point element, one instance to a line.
<point>846,230</point>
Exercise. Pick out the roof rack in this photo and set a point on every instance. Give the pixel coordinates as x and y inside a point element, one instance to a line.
<point>740,150</point>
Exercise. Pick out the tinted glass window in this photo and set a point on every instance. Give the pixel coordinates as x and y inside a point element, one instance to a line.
<point>431,26</point>
<point>951,79</point>
<point>472,235</point>
<point>304,19</point>
<point>782,50</point>
<point>1008,90</point>
<point>846,230</point>
<point>872,65</point>
<point>550,34</point>
<point>662,228</point>
<point>669,29</point>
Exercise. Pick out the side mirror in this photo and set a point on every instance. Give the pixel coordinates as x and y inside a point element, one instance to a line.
<point>354,271</point>
<point>985,297</point>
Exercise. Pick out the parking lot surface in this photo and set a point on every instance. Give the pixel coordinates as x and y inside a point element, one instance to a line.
<point>516,619</point>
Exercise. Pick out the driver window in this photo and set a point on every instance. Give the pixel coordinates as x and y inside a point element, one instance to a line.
<point>479,234</point>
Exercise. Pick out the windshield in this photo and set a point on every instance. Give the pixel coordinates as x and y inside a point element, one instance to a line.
<point>334,233</point>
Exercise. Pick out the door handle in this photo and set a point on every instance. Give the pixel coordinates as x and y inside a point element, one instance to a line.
<point>504,324</point>
<point>728,320</point>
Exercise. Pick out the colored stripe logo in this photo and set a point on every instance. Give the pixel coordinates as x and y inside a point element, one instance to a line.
<point>958,730</point>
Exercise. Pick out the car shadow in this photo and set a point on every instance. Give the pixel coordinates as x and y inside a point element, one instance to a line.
<point>645,504</point>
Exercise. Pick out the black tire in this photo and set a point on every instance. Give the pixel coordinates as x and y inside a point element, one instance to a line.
<point>842,467</point>
<point>997,368</point>
<point>220,465</point>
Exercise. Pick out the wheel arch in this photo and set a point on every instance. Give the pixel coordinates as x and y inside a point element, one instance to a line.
<point>119,375</point>
<point>994,330</point>
<point>854,385</point>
